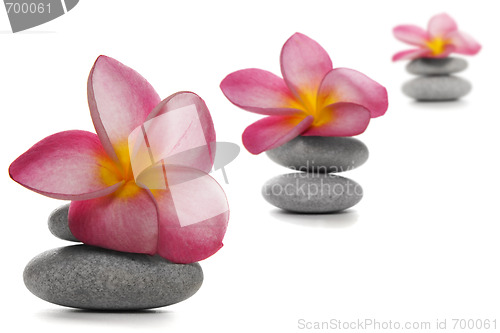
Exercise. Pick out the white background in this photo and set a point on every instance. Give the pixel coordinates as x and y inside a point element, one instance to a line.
<point>423,243</point>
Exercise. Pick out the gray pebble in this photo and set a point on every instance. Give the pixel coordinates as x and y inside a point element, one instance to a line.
<point>87,277</point>
<point>437,88</point>
<point>320,154</point>
<point>312,193</point>
<point>436,66</point>
<point>58,224</point>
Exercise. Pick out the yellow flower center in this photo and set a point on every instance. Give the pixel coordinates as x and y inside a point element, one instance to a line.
<point>129,189</point>
<point>111,174</point>
<point>316,108</point>
<point>437,45</point>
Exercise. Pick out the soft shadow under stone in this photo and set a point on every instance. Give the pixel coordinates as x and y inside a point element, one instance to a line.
<point>93,278</point>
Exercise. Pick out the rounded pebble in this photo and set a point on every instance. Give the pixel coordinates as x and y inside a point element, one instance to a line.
<point>312,193</point>
<point>58,224</point>
<point>437,88</point>
<point>87,277</point>
<point>436,66</point>
<point>320,154</point>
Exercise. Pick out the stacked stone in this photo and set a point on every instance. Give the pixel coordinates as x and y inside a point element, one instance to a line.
<point>316,188</point>
<point>88,277</point>
<point>435,82</point>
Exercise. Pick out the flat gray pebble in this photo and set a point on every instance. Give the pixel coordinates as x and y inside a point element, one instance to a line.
<point>87,277</point>
<point>320,154</point>
<point>436,66</point>
<point>312,193</point>
<point>437,88</point>
<point>58,224</point>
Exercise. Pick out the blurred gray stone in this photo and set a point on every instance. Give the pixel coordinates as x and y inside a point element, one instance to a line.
<point>312,193</point>
<point>436,66</point>
<point>58,224</point>
<point>320,154</point>
<point>86,277</point>
<point>437,88</point>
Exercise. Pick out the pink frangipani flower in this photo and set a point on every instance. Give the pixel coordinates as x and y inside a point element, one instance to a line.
<point>312,99</point>
<point>440,40</point>
<point>111,206</point>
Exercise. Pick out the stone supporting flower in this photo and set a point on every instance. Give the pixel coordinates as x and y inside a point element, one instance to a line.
<point>311,113</point>
<point>431,60</point>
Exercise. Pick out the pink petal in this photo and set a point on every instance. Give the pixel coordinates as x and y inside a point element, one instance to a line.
<point>463,43</point>
<point>187,136</point>
<point>411,54</point>
<point>260,91</point>
<point>440,25</point>
<point>273,131</point>
<point>410,34</point>
<point>120,99</point>
<point>193,215</point>
<point>123,221</point>
<point>348,85</point>
<point>69,165</point>
<point>345,119</point>
<point>304,63</point>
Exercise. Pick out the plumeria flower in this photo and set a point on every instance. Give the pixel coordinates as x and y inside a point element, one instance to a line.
<point>175,210</point>
<point>312,99</point>
<point>440,40</point>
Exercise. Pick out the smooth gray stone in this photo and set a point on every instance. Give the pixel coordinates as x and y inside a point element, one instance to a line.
<point>312,193</point>
<point>436,66</point>
<point>86,277</point>
<point>320,154</point>
<point>437,88</point>
<point>58,224</point>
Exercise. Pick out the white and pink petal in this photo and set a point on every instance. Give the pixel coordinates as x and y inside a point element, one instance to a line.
<point>193,215</point>
<point>464,43</point>
<point>412,54</point>
<point>120,99</point>
<point>273,131</point>
<point>304,64</point>
<point>69,165</point>
<point>441,25</point>
<point>348,85</point>
<point>261,92</point>
<point>411,34</point>
<point>179,131</point>
<point>123,221</point>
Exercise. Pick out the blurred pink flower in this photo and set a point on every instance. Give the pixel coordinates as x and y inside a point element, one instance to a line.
<point>441,38</point>
<point>312,99</point>
<point>110,207</point>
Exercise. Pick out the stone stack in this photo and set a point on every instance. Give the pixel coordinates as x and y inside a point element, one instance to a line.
<point>88,277</point>
<point>315,187</point>
<point>434,81</point>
